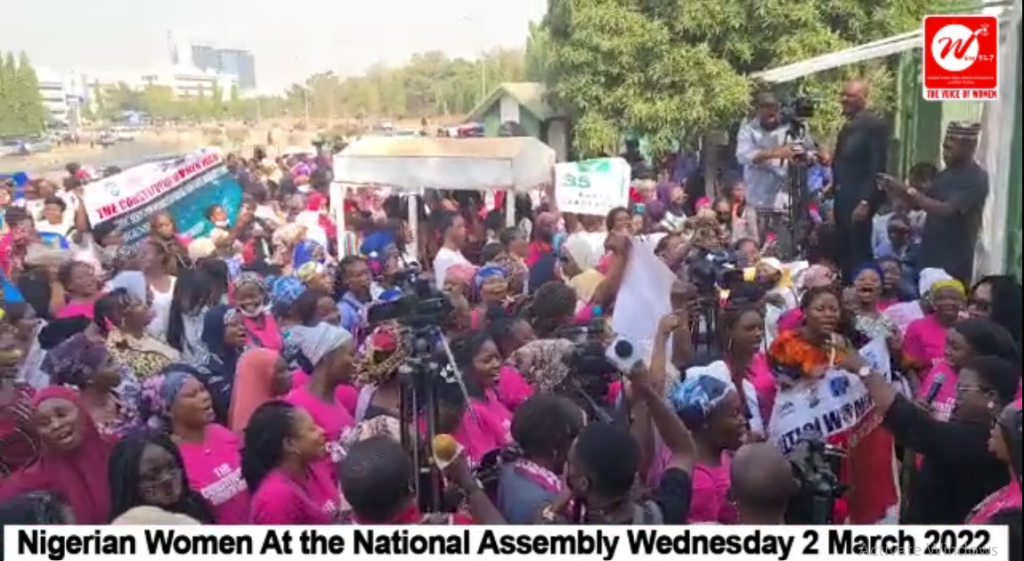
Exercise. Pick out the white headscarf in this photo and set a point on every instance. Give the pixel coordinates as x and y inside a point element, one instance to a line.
<point>929,277</point>
<point>319,341</point>
<point>133,282</point>
<point>582,251</point>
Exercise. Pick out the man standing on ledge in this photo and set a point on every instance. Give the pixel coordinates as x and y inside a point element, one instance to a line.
<point>953,204</point>
<point>861,152</point>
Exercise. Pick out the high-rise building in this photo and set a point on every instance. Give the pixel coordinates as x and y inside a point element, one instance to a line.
<point>239,63</point>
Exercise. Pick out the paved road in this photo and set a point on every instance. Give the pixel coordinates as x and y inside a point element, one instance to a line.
<point>122,154</point>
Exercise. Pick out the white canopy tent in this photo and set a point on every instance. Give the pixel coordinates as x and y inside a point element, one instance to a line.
<point>410,165</point>
<point>997,121</point>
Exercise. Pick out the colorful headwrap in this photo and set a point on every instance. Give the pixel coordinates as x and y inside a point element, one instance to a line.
<point>950,283</point>
<point>929,277</point>
<point>250,278</point>
<point>487,272</point>
<point>868,266</point>
<point>74,361</point>
<point>375,248</point>
<point>383,353</point>
<point>159,393</point>
<point>306,252</point>
<point>543,363</point>
<point>284,291</point>
<point>695,398</point>
<point>310,270</point>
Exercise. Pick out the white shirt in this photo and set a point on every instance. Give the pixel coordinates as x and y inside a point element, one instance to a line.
<point>161,311</point>
<point>444,259</point>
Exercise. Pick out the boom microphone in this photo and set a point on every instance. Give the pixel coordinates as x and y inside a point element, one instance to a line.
<point>933,390</point>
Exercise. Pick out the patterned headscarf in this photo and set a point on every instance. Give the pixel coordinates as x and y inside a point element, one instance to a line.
<point>249,278</point>
<point>133,282</point>
<point>306,252</point>
<point>74,361</point>
<point>487,272</point>
<point>125,254</point>
<point>310,271</point>
<point>319,341</point>
<point>158,394</point>
<point>284,291</point>
<point>382,353</point>
<point>696,397</point>
<point>543,362</point>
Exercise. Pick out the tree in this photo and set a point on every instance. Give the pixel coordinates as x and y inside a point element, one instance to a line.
<point>22,112</point>
<point>619,68</point>
<point>159,102</point>
<point>535,58</point>
<point>664,67</point>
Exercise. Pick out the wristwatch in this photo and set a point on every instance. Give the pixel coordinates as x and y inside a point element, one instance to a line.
<point>864,372</point>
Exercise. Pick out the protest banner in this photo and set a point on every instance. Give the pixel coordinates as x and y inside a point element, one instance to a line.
<point>592,187</point>
<point>838,409</point>
<point>185,188</point>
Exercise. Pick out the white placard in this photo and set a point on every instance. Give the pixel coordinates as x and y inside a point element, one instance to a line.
<point>592,187</point>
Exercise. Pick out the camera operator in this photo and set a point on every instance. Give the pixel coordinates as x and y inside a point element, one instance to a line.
<point>761,484</point>
<point>376,479</point>
<point>860,155</point>
<point>765,148</point>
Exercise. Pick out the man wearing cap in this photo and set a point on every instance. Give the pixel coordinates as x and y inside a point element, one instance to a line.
<point>953,204</point>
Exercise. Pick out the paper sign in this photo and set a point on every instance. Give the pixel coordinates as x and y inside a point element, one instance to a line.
<point>644,296</point>
<point>186,188</point>
<point>592,187</point>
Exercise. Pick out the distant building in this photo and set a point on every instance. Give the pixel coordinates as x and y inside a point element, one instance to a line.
<point>188,81</point>
<point>62,94</point>
<point>239,63</point>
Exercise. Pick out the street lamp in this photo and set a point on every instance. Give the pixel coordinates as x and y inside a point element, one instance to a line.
<point>483,57</point>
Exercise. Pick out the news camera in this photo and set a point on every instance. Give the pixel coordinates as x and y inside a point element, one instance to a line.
<point>815,465</point>
<point>712,270</point>
<point>591,372</point>
<point>795,112</point>
<point>421,304</point>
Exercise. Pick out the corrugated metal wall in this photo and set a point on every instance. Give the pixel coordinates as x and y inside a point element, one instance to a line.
<point>1013,219</point>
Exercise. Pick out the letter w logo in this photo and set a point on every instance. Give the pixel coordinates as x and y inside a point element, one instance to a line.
<point>959,47</point>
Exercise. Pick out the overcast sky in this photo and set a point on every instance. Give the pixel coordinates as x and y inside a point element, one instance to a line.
<point>290,40</point>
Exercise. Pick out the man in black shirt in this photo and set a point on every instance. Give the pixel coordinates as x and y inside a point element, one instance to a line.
<point>861,152</point>
<point>953,204</point>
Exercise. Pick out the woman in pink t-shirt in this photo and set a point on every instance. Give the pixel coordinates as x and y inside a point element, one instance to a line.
<point>81,287</point>
<point>510,333</point>
<point>924,340</point>
<point>966,339</point>
<point>331,351</point>
<point>1006,444</point>
<point>711,408</point>
<point>486,422</point>
<point>284,465</point>
<point>179,403</point>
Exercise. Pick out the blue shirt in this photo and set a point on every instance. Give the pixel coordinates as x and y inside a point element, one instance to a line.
<point>353,312</point>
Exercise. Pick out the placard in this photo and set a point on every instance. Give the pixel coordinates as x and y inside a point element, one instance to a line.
<point>592,187</point>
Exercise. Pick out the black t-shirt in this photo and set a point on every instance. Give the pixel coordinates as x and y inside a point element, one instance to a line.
<point>673,495</point>
<point>947,242</point>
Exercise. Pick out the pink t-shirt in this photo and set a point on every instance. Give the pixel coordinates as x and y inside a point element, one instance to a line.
<point>333,418</point>
<point>925,340</point>
<point>790,320</point>
<point>512,388</point>
<point>280,499</point>
<point>346,394</point>
<point>760,376</point>
<point>73,309</point>
<point>486,428</point>
<point>946,398</point>
<point>215,471</point>
<point>710,502</point>
<point>1005,498</point>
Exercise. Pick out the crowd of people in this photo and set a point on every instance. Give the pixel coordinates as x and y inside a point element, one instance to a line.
<point>238,378</point>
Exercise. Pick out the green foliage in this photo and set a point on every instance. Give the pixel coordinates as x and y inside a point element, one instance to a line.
<point>22,112</point>
<point>662,68</point>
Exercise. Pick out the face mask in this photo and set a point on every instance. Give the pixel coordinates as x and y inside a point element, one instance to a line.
<point>221,223</point>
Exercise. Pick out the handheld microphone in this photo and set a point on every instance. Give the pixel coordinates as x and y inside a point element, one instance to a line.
<point>933,390</point>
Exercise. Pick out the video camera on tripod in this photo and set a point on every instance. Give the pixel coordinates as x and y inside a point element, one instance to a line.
<point>419,312</point>
<point>592,366</point>
<point>815,465</point>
